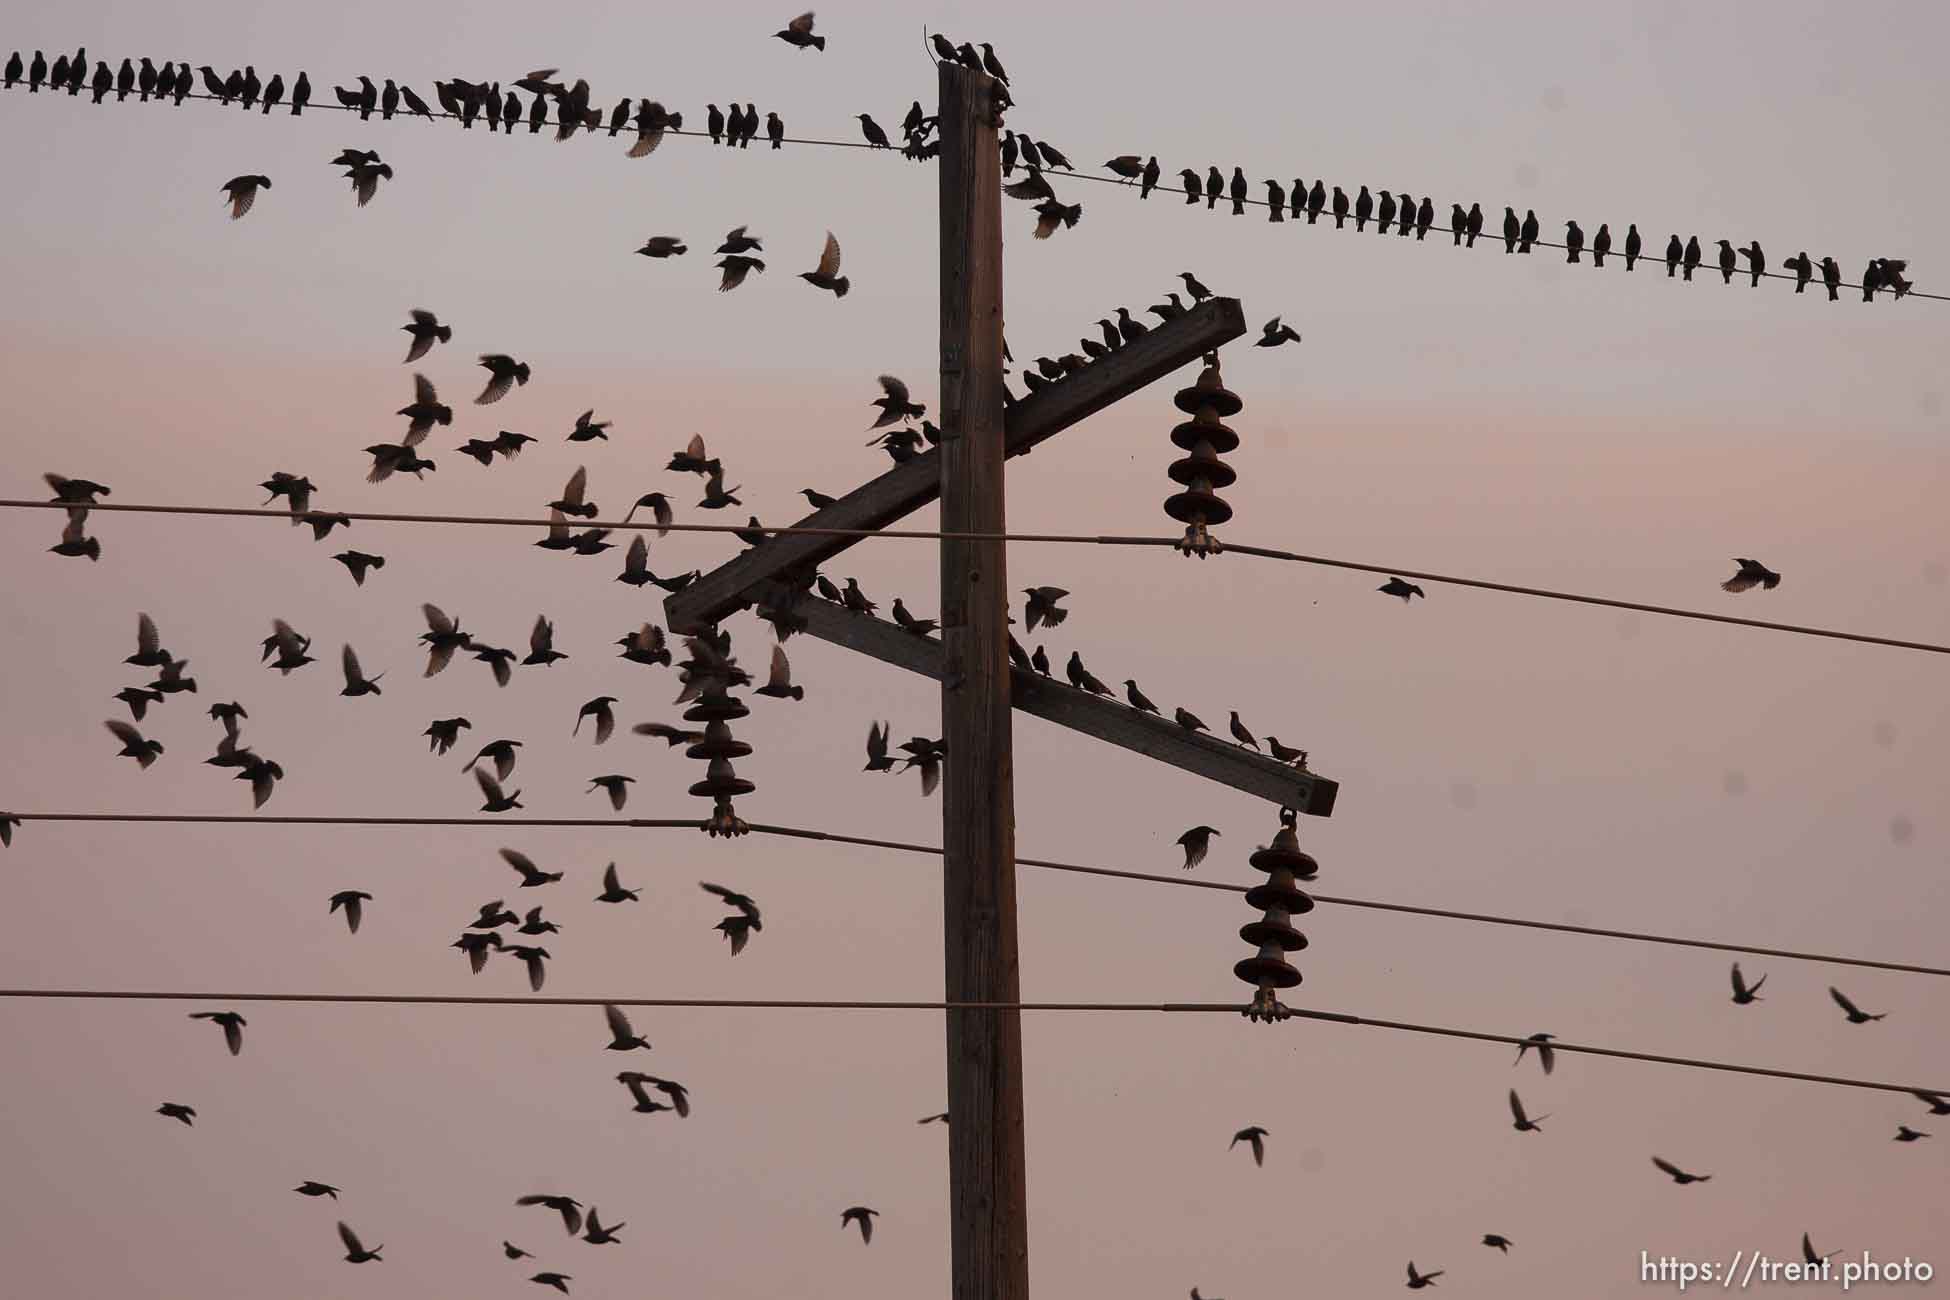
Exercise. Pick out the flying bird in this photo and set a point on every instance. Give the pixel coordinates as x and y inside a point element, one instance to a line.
<point>504,372</point>
<point>1743,992</point>
<point>569,1208</point>
<point>613,891</point>
<point>799,32</point>
<point>233,1027</point>
<point>1256,1138</point>
<point>531,875</point>
<point>827,274</point>
<point>541,644</point>
<point>242,192</point>
<point>1524,1123</point>
<point>778,684</point>
<point>1751,573</point>
<point>596,1234</point>
<point>356,682</point>
<point>661,246</point>
<point>1273,334</point>
<point>443,732</point>
<point>311,1188</point>
<point>1042,609</point>
<point>598,709</point>
<point>737,929</point>
<point>1679,1175</point>
<point>491,791</point>
<point>442,637</point>
<point>143,751</point>
<point>1195,842</point>
<point>622,1037</point>
<point>353,901</point>
<point>1396,587</point>
<point>176,1110</point>
<point>1496,1241</point>
<point>736,269</point>
<point>863,1216</point>
<point>1904,1133</point>
<point>877,758</point>
<point>560,1281</point>
<point>358,564</point>
<point>356,1253</point>
<point>588,428</point>
<point>896,405</point>
<point>532,958</point>
<point>1855,1014</point>
<point>1416,1281</point>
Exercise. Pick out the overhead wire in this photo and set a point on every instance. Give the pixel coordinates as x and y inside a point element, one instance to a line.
<point>863,841</point>
<point>1261,552</point>
<point>808,1004</point>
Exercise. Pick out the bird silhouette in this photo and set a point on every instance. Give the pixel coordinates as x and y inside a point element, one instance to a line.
<point>233,1027</point>
<point>1195,842</point>
<point>1751,573</point>
<point>1573,241</point>
<point>353,902</point>
<point>531,875</point>
<point>356,682</point>
<point>1384,213</point>
<point>311,1188</point>
<point>1363,209</point>
<point>622,1037</point>
<point>242,192</point>
<point>531,958</point>
<point>1416,1281</point>
<point>1242,737</point>
<point>1188,720</point>
<point>1273,334</point>
<point>1546,1054</point>
<point>560,1281</point>
<point>443,732</point>
<point>1756,262</point>
<point>778,684</point>
<point>599,710</point>
<point>1690,260</point>
<point>1256,1138</point>
<point>1081,677</point>
<point>1743,992</point>
<point>736,929</point>
<point>1904,1133</point>
<point>588,428</point>
<point>663,246</point>
<point>1633,246</point>
<point>1497,1241</point>
<point>568,1207</point>
<point>1679,1175</point>
<point>134,745</point>
<point>355,1252</point>
<point>358,564</point>
<point>1042,609</point>
<point>613,891</point>
<point>496,800</point>
<point>1524,1123</point>
<point>877,757</point>
<point>1855,1014</point>
<point>827,274</point>
<point>863,1216</point>
<point>869,128</point>
<point>1529,231</point>
<point>1406,590</point>
<point>176,1110</point>
<point>541,645</point>
<point>1674,252</point>
<point>1600,245</point>
<point>1939,1103</point>
<point>504,372</point>
<point>1137,697</point>
<point>1511,230</point>
<point>1804,270</point>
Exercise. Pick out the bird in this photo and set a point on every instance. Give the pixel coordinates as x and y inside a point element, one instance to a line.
<point>1600,244</point>
<point>143,751</point>
<point>1148,178</point>
<point>1195,842</point>
<point>1529,231</point>
<point>596,1234</point>
<point>176,1110</point>
<point>877,758</point>
<point>617,787</point>
<point>736,269</point>
<point>499,752</point>
<point>636,1081</point>
<point>532,958</point>
<point>1756,262</point>
<point>504,372</point>
<point>560,1281</point>
<point>1384,213</point>
<point>799,32</point>
<point>896,404</point>
<point>358,563</point>
<point>1188,720</point>
<point>425,411</point>
<point>1573,241</point>
<point>491,791</point>
<point>622,1037</point>
<point>1406,590</point>
<point>1128,166</point>
<point>1050,215</point>
<point>1743,992</point>
<point>531,875</point>
<point>1081,677</point>
<point>311,1188</point>
<point>1546,1054</point>
<point>1137,697</point>
<point>1726,262</point>
<point>1633,245</point>
<point>1751,573</point>
<point>663,246</point>
<point>1497,1241</point>
<point>1039,661</point>
<point>736,929</point>
<point>871,130</point>
<point>1831,277</point>
<point>1679,1175</point>
<point>355,1252</point>
<point>1416,1281</point>
<point>1042,609</point>
<point>353,901</point>
<point>588,428</point>
<point>1524,1123</point>
<point>513,1251</point>
<point>1256,1138</point>
<point>1424,218</point>
<point>1363,209</point>
<point>863,1216</point>
<point>826,275</point>
<point>1804,270</point>
<point>1690,260</point>
<point>940,1117</point>
<point>443,732</point>
<point>1674,251</point>
<point>356,682</point>
<point>1904,1133</point>
<point>855,599</point>
<point>1285,753</point>
<point>1240,735</point>
<point>242,192</point>
<point>778,684</point>
<point>1273,334</point>
<point>598,709</point>
<point>233,1027</point>
<point>1127,329</point>
<point>1238,191</point>
<point>1938,1103</point>
<point>138,699</point>
<point>541,644</point>
<point>1215,186</point>
<point>613,891</point>
<point>477,946</point>
<point>1855,1014</point>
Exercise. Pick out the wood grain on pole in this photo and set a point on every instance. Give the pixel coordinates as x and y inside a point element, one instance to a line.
<point>906,488</point>
<point>988,1216</point>
<point>1106,719</point>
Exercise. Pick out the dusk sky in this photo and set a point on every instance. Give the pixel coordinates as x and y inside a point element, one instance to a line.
<point>1462,412</point>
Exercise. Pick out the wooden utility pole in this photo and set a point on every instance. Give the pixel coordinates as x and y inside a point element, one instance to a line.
<point>987,1197</point>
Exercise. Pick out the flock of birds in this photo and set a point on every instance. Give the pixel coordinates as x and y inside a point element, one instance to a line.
<point>901,430</point>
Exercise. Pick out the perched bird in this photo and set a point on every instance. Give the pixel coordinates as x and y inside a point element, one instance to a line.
<point>1406,590</point>
<point>356,682</point>
<point>1384,213</point>
<point>176,1110</point>
<point>1256,1138</point>
<point>1081,678</point>
<point>1149,178</point>
<point>1238,191</point>
<point>778,684</point>
<point>1804,270</point>
<point>1743,992</point>
<point>1424,218</point>
<point>443,732</point>
<point>736,929</point>
<point>588,428</point>
<point>1188,720</point>
<point>1497,1241</point>
<point>143,751</point>
<point>1529,231</point>
<point>310,1188</point>
<point>1546,1054</point>
<point>1524,1124</point>
<point>1831,277</point>
<point>1242,737</point>
<point>1904,1133</point>
<point>1511,229</point>
<point>613,891</point>
<point>1690,261</point>
<point>1195,842</point>
<point>1756,262</point>
<point>242,192</point>
<point>504,372</point>
<point>1287,754</point>
<point>826,275</point>
<point>871,130</point>
<point>233,1027</point>
<point>1750,574</point>
<point>1273,334</point>
<point>1137,697</point>
<point>1633,245</point>
<point>568,1207</point>
<point>356,1253</point>
<point>1856,1016</point>
<point>358,563</point>
<point>622,1037</point>
<point>1127,329</point>
<point>1674,251</point>
<point>1458,224</point>
<point>1600,244</point>
<point>496,800</point>
<point>531,875</point>
<point>1573,241</point>
<point>1363,209</point>
<point>1416,1281</point>
<point>1193,188</point>
<point>1679,1175</point>
<point>863,1216</point>
<point>855,599</point>
<point>353,901</point>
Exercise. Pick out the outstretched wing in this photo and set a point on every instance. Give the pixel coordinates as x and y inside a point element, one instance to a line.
<point>619,1024</point>
<point>895,389</point>
<point>578,482</point>
<point>351,1239</point>
<point>829,260</point>
<point>781,675</point>
<point>350,662</point>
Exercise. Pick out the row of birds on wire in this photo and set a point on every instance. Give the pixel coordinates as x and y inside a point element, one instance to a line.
<point>466,101</point>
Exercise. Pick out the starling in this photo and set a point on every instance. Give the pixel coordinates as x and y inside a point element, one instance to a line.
<point>1600,244</point>
<point>310,1188</point>
<point>1529,231</point>
<point>863,1216</point>
<point>356,1253</point>
<point>1240,735</point>
<point>613,891</point>
<point>177,1111</point>
<point>799,32</point>
<point>426,330</point>
<point>1041,609</point>
<point>1855,1014</point>
<point>1255,1137</point>
<point>352,901</point>
<point>1756,263</point>
<point>1238,192</point>
<point>1188,720</point>
<point>358,564</point>
<point>1192,187</point>
<point>1804,270</point>
<point>504,372</point>
<point>1275,202</point>
<point>1195,842</point>
<point>242,191</point>
<point>1679,1175</point>
<point>1573,242</point>
<point>1524,1123</point>
<point>736,269</point>
<point>1750,574</point>
<point>599,710</point>
<point>778,684</point>
<point>1384,213</point>
<point>1363,209</point>
<point>1496,1241</point>
<point>1743,992</point>
<point>1273,334</point>
<point>1726,262</point>
<point>1692,256</point>
<point>1831,277</point>
<point>1633,245</point>
<point>1511,229</point>
<point>1416,1281</point>
<point>1137,697</point>
<point>233,1027</point>
<point>143,751</point>
<point>356,682</point>
<point>588,428</point>
<point>443,732</point>
<point>1546,1054</point>
<point>1396,587</point>
<point>827,274</point>
<point>871,130</point>
<point>1198,292</point>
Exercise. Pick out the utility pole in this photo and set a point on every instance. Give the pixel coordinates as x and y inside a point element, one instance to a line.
<point>987,1197</point>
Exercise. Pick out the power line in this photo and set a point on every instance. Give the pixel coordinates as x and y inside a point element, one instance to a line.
<point>784,1004</point>
<point>1098,176</point>
<point>801,833</point>
<point>1261,552</point>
